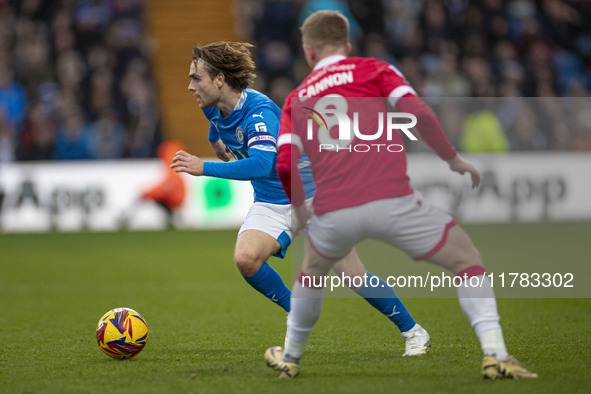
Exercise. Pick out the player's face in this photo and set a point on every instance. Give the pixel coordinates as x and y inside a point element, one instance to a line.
<point>203,87</point>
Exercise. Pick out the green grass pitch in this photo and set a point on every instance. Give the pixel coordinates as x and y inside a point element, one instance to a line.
<point>209,329</point>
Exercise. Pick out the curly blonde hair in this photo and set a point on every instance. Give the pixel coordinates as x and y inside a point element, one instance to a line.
<point>233,59</point>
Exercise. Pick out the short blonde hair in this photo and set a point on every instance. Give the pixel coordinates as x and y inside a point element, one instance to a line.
<point>233,59</point>
<point>325,28</point>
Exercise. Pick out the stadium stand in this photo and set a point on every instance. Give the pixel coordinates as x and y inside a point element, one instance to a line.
<point>484,48</point>
<point>78,78</point>
<point>76,81</point>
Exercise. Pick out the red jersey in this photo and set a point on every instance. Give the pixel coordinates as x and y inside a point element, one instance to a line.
<point>342,117</point>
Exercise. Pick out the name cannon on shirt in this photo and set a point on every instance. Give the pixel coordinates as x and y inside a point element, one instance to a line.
<point>329,81</point>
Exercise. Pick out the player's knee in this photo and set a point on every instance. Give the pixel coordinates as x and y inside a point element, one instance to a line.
<point>466,258</point>
<point>247,263</point>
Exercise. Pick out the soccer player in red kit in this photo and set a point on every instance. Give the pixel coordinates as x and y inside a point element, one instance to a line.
<point>363,190</point>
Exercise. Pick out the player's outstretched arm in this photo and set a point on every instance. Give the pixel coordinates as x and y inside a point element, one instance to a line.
<point>258,166</point>
<point>459,165</point>
<point>432,132</point>
<point>220,150</point>
<point>185,162</point>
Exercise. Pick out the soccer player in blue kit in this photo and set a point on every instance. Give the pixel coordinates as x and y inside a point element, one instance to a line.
<point>244,125</point>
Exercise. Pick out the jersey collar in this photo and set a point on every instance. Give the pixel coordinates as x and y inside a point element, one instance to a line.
<point>327,61</point>
<point>241,101</point>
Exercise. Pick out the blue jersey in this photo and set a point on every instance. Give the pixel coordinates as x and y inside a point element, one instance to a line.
<point>250,134</point>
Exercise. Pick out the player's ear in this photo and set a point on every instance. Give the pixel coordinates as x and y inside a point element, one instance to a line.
<point>348,48</point>
<point>220,78</point>
<point>308,52</point>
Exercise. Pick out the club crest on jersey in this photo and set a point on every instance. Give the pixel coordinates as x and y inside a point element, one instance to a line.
<point>240,135</point>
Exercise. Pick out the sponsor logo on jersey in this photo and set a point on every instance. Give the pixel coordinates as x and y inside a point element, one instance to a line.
<point>260,127</point>
<point>259,139</point>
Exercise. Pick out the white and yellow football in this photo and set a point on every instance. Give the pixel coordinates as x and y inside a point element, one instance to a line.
<point>122,333</point>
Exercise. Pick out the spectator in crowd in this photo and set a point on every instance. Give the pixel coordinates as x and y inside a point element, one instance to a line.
<point>38,137</point>
<point>488,48</point>
<point>94,52</point>
<point>73,140</point>
<point>55,53</point>
<point>13,99</point>
<point>482,131</point>
<point>107,136</point>
<point>6,139</point>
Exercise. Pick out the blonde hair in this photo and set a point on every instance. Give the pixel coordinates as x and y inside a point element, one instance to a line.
<point>326,28</point>
<point>233,59</point>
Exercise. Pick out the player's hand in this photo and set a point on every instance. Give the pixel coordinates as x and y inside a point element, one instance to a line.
<point>457,164</point>
<point>184,162</point>
<point>221,151</point>
<point>300,218</point>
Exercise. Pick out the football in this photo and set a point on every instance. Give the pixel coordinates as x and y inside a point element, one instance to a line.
<point>122,333</point>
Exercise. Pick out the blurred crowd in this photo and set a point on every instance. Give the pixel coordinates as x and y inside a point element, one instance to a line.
<point>455,48</point>
<point>75,81</point>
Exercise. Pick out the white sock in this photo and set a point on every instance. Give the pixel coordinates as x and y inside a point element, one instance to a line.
<point>480,306</point>
<point>492,343</point>
<point>306,304</point>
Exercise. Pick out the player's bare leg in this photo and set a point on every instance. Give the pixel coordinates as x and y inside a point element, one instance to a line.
<point>253,248</point>
<point>351,266</point>
<point>458,253</point>
<point>479,304</point>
